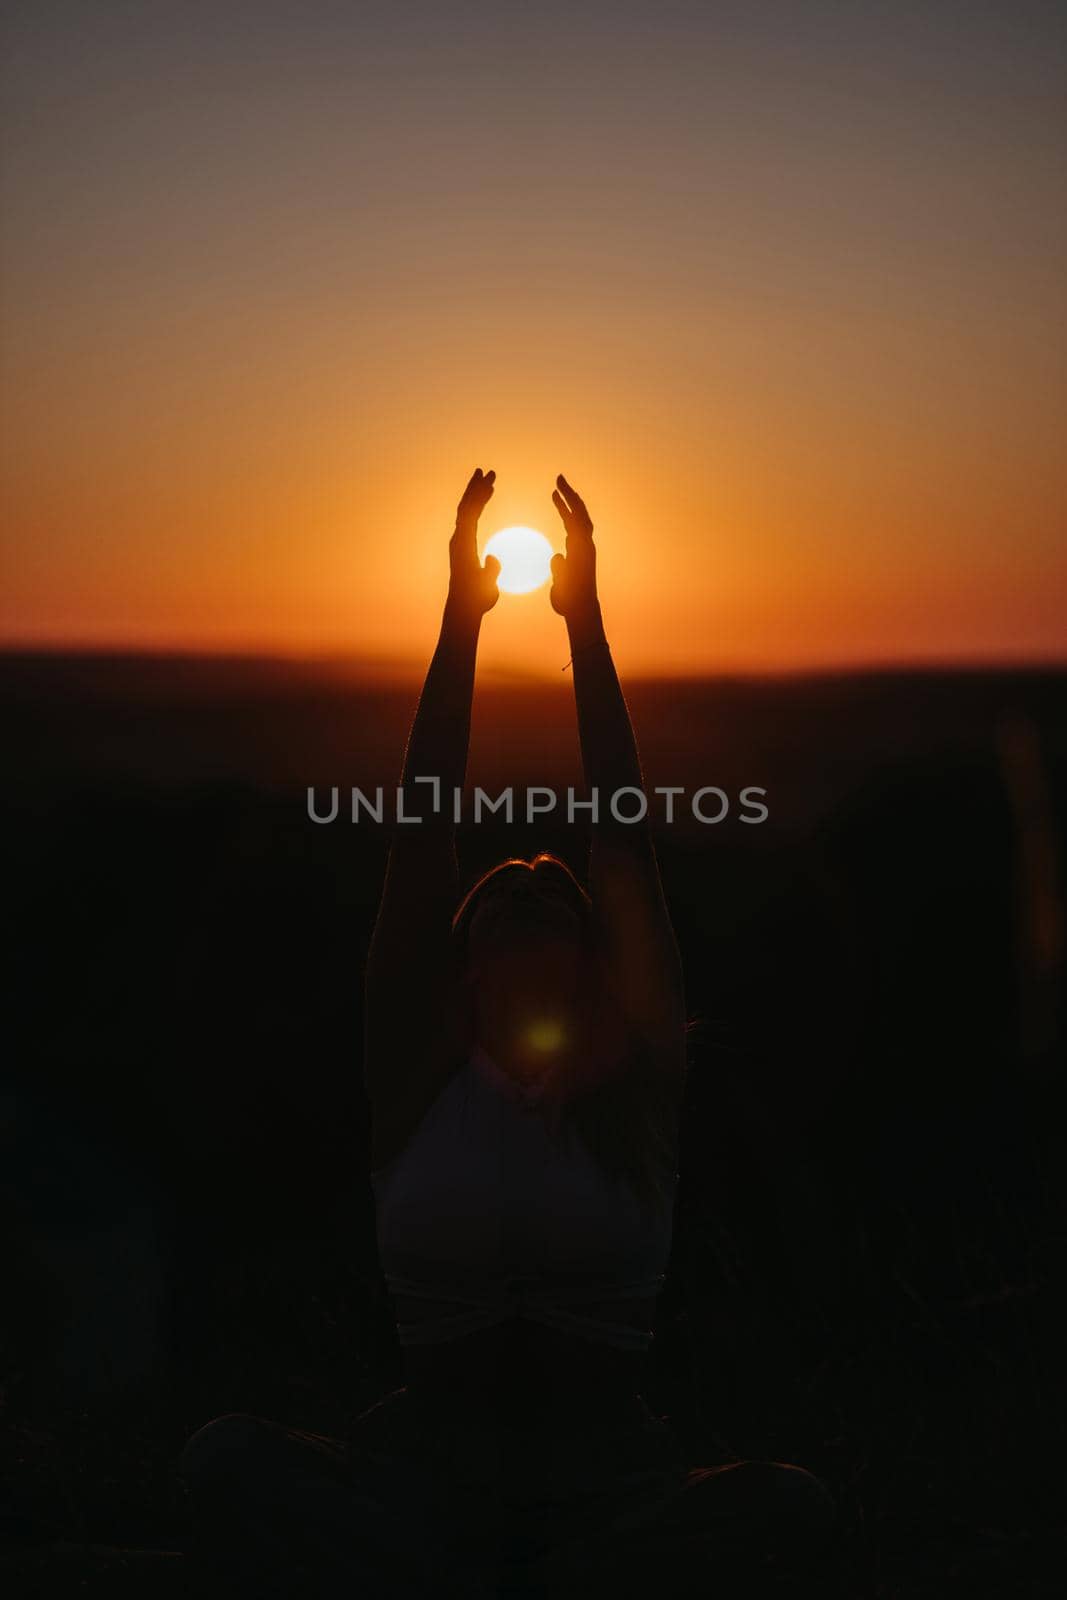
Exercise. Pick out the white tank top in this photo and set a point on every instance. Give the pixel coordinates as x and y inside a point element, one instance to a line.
<point>489,1213</point>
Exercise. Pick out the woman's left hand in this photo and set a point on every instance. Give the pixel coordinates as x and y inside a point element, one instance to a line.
<point>574,593</point>
<point>472,587</point>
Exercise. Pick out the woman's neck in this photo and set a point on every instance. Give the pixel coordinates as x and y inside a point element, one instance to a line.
<point>530,1012</point>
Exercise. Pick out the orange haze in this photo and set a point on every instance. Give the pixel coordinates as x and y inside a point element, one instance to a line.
<point>792,320</point>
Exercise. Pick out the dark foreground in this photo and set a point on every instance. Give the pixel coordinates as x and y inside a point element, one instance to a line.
<point>866,1277</point>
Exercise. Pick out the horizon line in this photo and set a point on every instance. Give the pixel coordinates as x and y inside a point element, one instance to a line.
<point>401,671</point>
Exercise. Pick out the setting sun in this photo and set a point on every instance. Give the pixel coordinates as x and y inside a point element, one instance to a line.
<point>524,556</point>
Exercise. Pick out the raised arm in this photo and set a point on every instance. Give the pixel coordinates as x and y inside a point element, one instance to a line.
<point>628,903</point>
<point>409,990</point>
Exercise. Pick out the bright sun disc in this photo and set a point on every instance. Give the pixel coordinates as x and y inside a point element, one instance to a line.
<point>524,556</point>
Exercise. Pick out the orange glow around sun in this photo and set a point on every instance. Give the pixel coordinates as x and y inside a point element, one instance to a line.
<point>811,392</point>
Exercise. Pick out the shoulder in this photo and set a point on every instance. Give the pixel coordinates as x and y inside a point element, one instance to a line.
<point>396,1131</point>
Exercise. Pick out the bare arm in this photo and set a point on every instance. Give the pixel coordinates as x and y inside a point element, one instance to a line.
<point>628,901</point>
<point>409,999</point>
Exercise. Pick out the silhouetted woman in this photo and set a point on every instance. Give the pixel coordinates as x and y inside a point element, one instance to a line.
<point>524,1057</point>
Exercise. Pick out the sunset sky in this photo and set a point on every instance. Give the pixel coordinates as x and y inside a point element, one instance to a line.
<point>781,287</point>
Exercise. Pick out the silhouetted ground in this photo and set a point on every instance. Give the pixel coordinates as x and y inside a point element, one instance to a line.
<point>866,1275</point>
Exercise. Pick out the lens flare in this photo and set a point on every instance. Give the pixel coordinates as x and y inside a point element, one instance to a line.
<point>544,1036</point>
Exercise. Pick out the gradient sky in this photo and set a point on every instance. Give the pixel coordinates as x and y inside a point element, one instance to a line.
<point>780,287</point>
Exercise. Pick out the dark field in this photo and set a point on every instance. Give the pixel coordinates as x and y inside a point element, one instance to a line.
<point>868,1266</point>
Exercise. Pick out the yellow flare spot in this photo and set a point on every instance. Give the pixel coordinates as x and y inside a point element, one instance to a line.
<point>544,1036</point>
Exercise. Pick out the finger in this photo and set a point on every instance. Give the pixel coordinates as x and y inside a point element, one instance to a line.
<point>491,566</point>
<point>573,497</point>
<point>471,501</point>
<point>558,565</point>
<point>479,490</point>
<point>583,522</point>
<point>562,507</point>
<point>472,489</point>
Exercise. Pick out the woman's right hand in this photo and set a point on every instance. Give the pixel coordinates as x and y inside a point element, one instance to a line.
<point>472,587</point>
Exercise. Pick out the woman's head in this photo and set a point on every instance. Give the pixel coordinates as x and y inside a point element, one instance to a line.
<point>520,906</point>
<point>544,1007</point>
<point>524,950</point>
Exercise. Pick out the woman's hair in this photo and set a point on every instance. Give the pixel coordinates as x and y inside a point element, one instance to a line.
<point>543,862</point>
<point>623,1104</point>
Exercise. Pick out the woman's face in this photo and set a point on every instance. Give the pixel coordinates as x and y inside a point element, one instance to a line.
<point>522,906</point>
<point>527,962</point>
